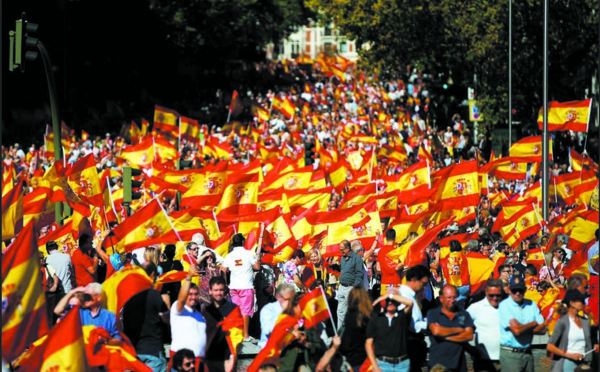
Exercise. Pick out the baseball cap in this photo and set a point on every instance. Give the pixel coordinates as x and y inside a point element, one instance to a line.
<point>517,282</point>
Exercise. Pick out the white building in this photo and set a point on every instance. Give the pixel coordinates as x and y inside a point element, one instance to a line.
<point>311,41</point>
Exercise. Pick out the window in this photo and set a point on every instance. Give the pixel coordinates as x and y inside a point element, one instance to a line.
<point>343,47</point>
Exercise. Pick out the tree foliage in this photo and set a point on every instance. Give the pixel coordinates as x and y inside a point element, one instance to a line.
<point>228,29</point>
<point>461,38</point>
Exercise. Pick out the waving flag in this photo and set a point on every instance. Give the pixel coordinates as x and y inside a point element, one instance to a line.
<point>457,185</point>
<point>84,181</point>
<point>141,155</point>
<point>124,284</point>
<point>574,115</point>
<point>481,269</point>
<point>62,349</point>
<point>314,307</point>
<point>278,340</point>
<point>24,317</point>
<point>116,357</point>
<point>233,326</point>
<point>240,194</point>
<point>149,225</point>
<point>529,149</point>
<point>165,121</point>
<point>12,212</point>
<point>189,129</point>
<point>236,106</point>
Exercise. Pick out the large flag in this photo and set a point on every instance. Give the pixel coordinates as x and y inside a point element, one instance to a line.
<point>189,129</point>
<point>508,168</point>
<point>574,115</point>
<point>116,356</point>
<point>24,317</point>
<point>240,194</point>
<point>581,229</point>
<point>84,181</point>
<point>62,349</point>
<point>278,340</point>
<point>207,189</point>
<point>62,235</point>
<point>525,223</point>
<point>149,225</point>
<point>314,307</point>
<point>12,212</point>
<point>124,284</point>
<point>529,149</point>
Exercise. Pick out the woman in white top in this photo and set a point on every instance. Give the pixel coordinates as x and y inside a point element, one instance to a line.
<point>570,343</point>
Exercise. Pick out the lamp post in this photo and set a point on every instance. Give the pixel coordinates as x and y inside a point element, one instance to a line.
<point>545,150</point>
<point>509,73</point>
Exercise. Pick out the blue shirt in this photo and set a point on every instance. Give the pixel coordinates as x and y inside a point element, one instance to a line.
<point>526,313</point>
<point>352,270</point>
<point>450,354</point>
<point>104,319</point>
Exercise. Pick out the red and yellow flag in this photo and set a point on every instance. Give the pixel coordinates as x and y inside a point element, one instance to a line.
<point>240,194</point>
<point>12,212</point>
<point>24,317</point>
<point>116,356</point>
<point>207,189</point>
<point>481,269</point>
<point>62,349</point>
<point>574,115</point>
<point>457,185</point>
<point>278,340</point>
<point>260,113</point>
<point>149,225</point>
<point>236,106</point>
<point>189,129</point>
<point>141,155</point>
<point>314,307</point>
<point>165,121</point>
<point>536,257</point>
<point>233,326</point>
<point>84,181</point>
<point>529,149</point>
<point>581,229</point>
<point>124,284</point>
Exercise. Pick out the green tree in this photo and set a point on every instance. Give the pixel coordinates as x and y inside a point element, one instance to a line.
<point>228,29</point>
<point>461,38</point>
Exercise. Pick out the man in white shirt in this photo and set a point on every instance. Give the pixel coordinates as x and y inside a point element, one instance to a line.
<point>486,353</point>
<point>61,263</point>
<point>242,263</point>
<point>268,315</point>
<point>417,277</point>
<point>188,326</point>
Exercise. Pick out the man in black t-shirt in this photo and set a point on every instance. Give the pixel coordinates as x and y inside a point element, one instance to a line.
<point>386,333</point>
<point>218,355</point>
<point>170,290</point>
<point>142,323</point>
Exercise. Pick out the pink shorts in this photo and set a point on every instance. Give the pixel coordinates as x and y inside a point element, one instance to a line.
<point>244,298</point>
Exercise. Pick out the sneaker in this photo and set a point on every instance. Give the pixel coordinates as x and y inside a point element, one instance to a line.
<point>251,339</point>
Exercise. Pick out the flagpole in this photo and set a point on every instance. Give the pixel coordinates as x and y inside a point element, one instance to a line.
<point>168,219</point>
<point>112,202</point>
<point>328,309</point>
<point>216,222</point>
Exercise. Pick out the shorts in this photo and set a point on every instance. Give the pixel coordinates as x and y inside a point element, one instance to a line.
<point>244,298</point>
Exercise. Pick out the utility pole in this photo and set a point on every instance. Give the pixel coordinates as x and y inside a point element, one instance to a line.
<point>23,48</point>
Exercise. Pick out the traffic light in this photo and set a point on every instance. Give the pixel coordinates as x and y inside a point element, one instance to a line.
<point>128,185</point>
<point>24,44</point>
<point>309,154</point>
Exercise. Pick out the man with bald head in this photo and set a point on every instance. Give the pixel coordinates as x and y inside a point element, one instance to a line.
<point>451,328</point>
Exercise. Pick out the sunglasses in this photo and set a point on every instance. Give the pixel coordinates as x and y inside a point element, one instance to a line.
<point>506,271</point>
<point>193,249</point>
<point>515,291</point>
<point>495,295</point>
<point>189,364</point>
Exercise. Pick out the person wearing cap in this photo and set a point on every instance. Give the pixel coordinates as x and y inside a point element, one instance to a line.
<point>202,248</point>
<point>520,319</point>
<point>242,263</point>
<point>571,342</point>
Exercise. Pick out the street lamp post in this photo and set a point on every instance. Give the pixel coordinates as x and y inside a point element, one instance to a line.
<point>509,73</point>
<point>545,149</point>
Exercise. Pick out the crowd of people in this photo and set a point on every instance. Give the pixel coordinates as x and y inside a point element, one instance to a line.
<point>475,291</point>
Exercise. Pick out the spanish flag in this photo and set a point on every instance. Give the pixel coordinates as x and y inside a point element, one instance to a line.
<point>116,357</point>
<point>165,121</point>
<point>338,173</point>
<point>124,284</point>
<point>358,195</point>
<point>135,132</point>
<point>62,235</point>
<point>529,149</point>
<point>536,257</point>
<point>578,263</point>
<point>207,189</point>
<point>301,200</point>
<point>397,154</point>
<point>463,239</point>
<point>216,149</point>
<point>581,229</point>
<point>260,113</point>
<point>415,178</point>
<point>8,177</point>
<point>481,269</point>
<point>280,337</point>
<point>189,129</point>
<point>233,327</point>
<point>302,229</point>
<point>240,194</point>
<point>288,109</point>
<point>457,185</point>
<point>278,233</point>
<point>508,168</point>
<point>314,307</point>
<point>415,249</point>
<point>24,317</point>
<point>62,349</point>
<point>140,155</point>
<point>574,115</point>
<point>12,212</point>
<point>584,192</point>
<point>149,225</point>
<point>172,276</point>
<point>84,181</point>
<point>36,207</point>
<point>297,179</point>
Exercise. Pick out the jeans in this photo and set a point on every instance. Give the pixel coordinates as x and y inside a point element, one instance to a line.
<point>569,365</point>
<point>403,366</point>
<point>157,363</point>
<point>342,304</point>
